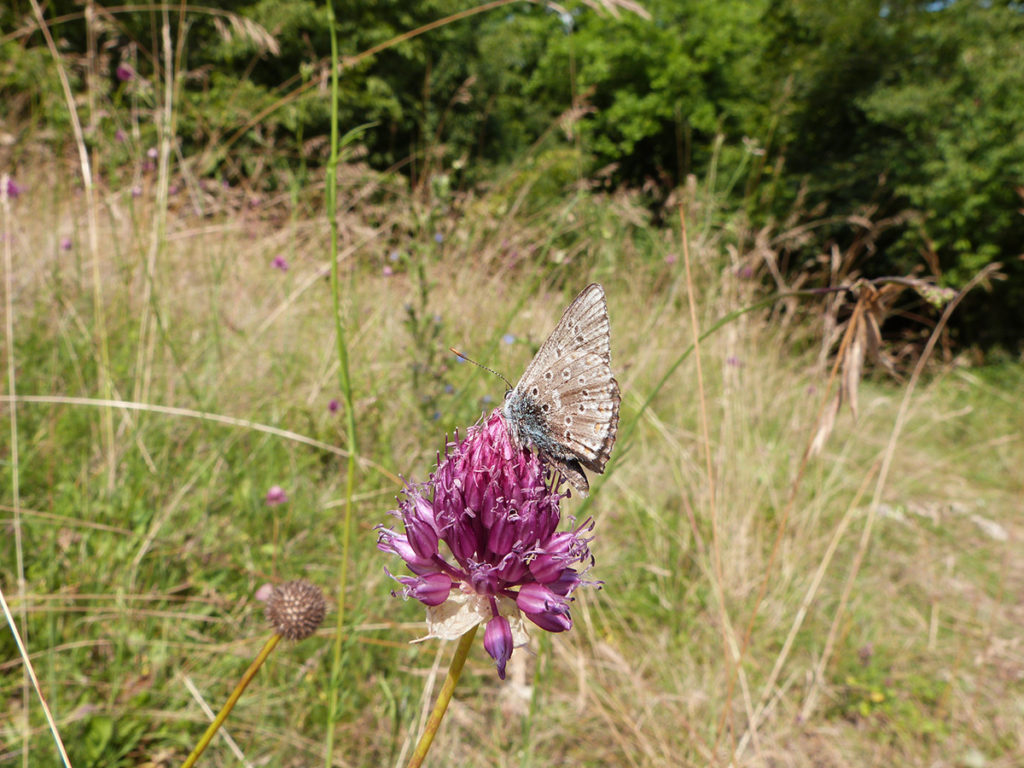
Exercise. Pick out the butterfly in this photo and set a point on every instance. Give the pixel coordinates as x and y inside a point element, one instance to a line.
<point>566,405</point>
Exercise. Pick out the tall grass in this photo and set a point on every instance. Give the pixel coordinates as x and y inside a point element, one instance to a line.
<point>138,595</point>
<point>755,610</point>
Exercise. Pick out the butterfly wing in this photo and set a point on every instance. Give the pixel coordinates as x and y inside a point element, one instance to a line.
<point>567,401</point>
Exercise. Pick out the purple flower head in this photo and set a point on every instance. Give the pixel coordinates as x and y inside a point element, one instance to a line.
<point>276,495</point>
<point>497,514</point>
<point>388,270</point>
<point>152,153</point>
<point>125,73</point>
<point>438,238</point>
<point>279,262</point>
<point>333,405</point>
<point>65,243</point>
<point>13,188</point>
<point>119,135</point>
<point>263,593</point>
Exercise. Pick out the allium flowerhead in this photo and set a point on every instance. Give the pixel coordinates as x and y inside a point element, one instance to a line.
<point>125,73</point>
<point>280,263</point>
<point>496,511</point>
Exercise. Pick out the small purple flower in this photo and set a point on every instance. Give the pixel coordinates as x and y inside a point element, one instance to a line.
<point>264,592</point>
<point>125,73</point>
<point>276,495</point>
<point>279,262</point>
<point>498,642</point>
<point>734,361</point>
<point>746,272</point>
<point>119,135</point>
<point>136,191</point>
<point>497,514</point>
<point>438,238</point>
<point>508,338</point>
<point>13,188</point>
<point>671,259</point>
<point>388,271</point>
<point>394,256</point>
<point>333,405</point>
<point>152,153</point>
<point>65,243</point>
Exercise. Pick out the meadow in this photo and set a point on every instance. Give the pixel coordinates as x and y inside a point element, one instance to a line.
<point>803,556</point>
<point>760,606</point>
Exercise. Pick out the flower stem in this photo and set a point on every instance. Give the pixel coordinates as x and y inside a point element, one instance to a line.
<point>250,673</point>
<point>443,699</point>
<point>345,383</point>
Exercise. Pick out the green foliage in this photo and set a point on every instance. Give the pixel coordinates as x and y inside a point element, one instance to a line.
<point>664,89</point>
<point>900,704</point>
<point>915,107</point>
<point>786,106</point>
<point>30,93</point>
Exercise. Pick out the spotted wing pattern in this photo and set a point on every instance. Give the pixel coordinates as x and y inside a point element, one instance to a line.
<point>566,404</point>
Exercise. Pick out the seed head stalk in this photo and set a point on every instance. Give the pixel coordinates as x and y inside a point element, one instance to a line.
<point>229,705</point>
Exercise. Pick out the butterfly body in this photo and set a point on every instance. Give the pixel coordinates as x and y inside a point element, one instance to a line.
<point>566,405</point>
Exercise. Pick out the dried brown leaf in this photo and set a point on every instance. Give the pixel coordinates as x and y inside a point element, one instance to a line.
<point>825,426</point>
<point>852,363</point>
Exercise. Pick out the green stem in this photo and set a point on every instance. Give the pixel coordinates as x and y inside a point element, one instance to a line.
<point>443,699</point>
<point>218,721</point>
<point>345,382</point>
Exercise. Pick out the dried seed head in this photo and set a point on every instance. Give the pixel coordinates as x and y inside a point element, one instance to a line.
<point>295,609</point>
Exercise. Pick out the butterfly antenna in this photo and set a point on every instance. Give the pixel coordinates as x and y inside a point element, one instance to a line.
<point>456,352</point>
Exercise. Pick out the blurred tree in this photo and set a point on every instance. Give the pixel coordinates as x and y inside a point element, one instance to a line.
<point>896,105</point>
<point>914,106</point>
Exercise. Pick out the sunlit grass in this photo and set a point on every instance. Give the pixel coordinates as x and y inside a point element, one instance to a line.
<point>140,594</point>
